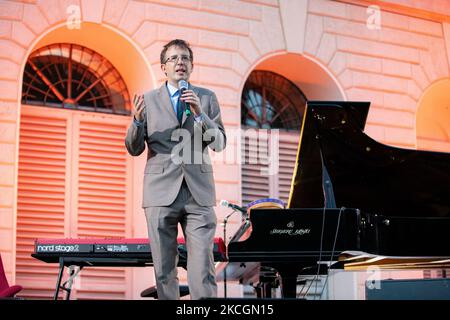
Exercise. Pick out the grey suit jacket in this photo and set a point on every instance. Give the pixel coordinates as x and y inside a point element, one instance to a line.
<point>176,152</point>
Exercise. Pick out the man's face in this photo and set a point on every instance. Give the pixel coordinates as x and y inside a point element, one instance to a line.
<point>178,65</point>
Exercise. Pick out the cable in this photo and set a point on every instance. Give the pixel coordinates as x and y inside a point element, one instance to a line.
<point>332,251</point>
<point>320,251</point>
<point>323,226</point>
<point>301,290</point>
<point>331,258</point>
<point>328,201</point>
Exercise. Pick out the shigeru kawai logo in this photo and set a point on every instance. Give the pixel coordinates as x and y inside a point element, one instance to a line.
<point>290,231</point>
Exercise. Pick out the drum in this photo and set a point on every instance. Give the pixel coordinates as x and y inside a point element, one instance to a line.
<point>266,203</point>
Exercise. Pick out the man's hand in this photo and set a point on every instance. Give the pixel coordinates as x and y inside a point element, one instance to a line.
<point>138,107</point>
<point>190,97</point>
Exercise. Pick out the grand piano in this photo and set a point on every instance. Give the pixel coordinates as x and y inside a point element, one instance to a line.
<point>349,193</point>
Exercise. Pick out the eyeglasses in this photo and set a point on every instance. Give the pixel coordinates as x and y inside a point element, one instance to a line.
<point>174,59</point>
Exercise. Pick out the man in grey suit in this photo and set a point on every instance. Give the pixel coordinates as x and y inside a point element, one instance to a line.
<point>178,127</point>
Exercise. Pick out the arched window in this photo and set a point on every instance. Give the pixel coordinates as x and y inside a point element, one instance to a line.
<point>74,77</point>
<point>269,101</point>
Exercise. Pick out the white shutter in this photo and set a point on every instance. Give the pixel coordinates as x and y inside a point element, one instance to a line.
<point>101,198</point>
<point>256,182</point>
<point>41,198</point>
<point>287,157</point>
<point>72,183</point>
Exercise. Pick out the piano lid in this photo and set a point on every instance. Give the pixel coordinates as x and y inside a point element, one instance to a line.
<point>365,174</point>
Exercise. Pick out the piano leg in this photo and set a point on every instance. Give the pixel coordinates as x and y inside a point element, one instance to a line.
<point>263,290</point>
<point>267,290</point>
<point>289,286</point>
<point>258,290</point>
<point>288,283</point>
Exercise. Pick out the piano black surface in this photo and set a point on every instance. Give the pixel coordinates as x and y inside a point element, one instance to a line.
<point>397,200</point>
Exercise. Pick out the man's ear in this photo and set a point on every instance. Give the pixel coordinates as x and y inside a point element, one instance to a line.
<point>163,68</point>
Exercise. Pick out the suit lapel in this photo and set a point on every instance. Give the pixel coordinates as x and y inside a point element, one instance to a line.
<point>166,103</point>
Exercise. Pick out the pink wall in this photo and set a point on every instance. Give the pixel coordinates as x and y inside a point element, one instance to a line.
<point>391,67</point>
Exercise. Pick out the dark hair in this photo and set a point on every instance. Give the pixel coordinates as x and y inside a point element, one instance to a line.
<point>177,43</point>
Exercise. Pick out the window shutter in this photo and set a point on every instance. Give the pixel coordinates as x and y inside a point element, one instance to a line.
<point>41,197</point>
<point>101,198</point>
<point>72,184</point>
<point>287,157</point>
<point>256,182</point>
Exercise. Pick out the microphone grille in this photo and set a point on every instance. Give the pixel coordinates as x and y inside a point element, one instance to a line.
<point>224,203</point>
<point>182,85</point>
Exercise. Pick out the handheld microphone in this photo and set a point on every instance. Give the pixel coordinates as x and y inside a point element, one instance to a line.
<point>225,203</point>
<point>183,85</point>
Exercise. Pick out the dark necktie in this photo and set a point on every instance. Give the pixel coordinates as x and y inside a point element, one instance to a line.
<point>179,110</point>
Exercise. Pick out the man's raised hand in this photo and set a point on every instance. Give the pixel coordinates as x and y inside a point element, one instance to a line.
<point>138,107</point>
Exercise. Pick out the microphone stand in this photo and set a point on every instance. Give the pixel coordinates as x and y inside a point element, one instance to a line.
<point>225,221</point>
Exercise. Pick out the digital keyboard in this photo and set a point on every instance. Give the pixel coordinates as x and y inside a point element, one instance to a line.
<point>120,252</point>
